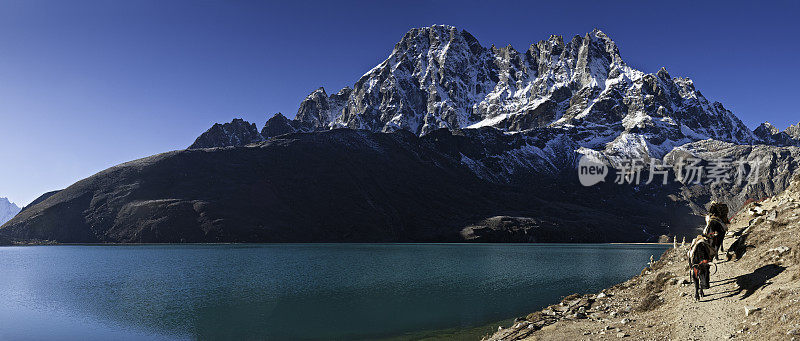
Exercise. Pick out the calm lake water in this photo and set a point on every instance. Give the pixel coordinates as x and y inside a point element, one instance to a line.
<point>294,291</point>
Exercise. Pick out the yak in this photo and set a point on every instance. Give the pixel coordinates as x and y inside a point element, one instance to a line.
<point>700,255</point>
<point>716,226</point>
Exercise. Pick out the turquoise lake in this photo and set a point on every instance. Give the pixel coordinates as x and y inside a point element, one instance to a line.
<point>294,291</point>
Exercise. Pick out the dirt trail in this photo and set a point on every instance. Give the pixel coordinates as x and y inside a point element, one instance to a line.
<point>753,296</point>
<point>714,316</point>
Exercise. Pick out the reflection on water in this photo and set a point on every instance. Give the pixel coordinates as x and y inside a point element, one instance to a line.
<point>296,291</point>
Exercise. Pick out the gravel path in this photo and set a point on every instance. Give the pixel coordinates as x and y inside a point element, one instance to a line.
<point>714,316</point>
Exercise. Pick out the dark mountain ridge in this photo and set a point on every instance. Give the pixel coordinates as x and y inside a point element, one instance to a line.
<point>360,186</point>
<point>340,185</point>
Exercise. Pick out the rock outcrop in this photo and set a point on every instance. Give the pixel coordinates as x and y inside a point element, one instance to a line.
<point>236,133</point>
<point>794,131</point>
<point>279,125</point>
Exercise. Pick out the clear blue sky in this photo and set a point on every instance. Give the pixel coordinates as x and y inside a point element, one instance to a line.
<point>85,85</point>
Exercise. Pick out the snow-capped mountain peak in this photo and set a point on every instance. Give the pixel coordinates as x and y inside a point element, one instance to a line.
<point>7,210</point>
<point>442,77</point>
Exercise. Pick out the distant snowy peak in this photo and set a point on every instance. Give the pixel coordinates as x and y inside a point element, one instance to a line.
<point>442,77</point>
<point>769,134</point>
<point>794,131</point>
<point>7,210</point>
<point>765,130</point>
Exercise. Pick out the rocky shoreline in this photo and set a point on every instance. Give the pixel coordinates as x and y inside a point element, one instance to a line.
<point>752,296</point>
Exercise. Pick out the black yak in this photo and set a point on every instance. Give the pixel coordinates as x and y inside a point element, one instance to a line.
<point>716,226</point>
<point>700,255</point>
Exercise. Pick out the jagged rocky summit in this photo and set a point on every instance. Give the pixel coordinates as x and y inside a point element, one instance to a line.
<point>236,133</point>
<point>442,77</point>
<point>769,134</point>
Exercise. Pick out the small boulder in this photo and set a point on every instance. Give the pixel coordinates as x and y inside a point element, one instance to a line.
<point>780,249</point>
<point>750,310</point>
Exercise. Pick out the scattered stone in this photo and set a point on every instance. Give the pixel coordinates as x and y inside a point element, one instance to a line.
<point>625,321</point>
<point>772,216</point>
<point>750,310</point>
<point>780,249</point>
<point>612,314</point>
<point>621,335</point>
<point>756,211</point>
<point>601,295</point>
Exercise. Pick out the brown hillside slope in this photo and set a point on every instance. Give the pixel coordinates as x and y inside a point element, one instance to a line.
<point>754,296</point>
